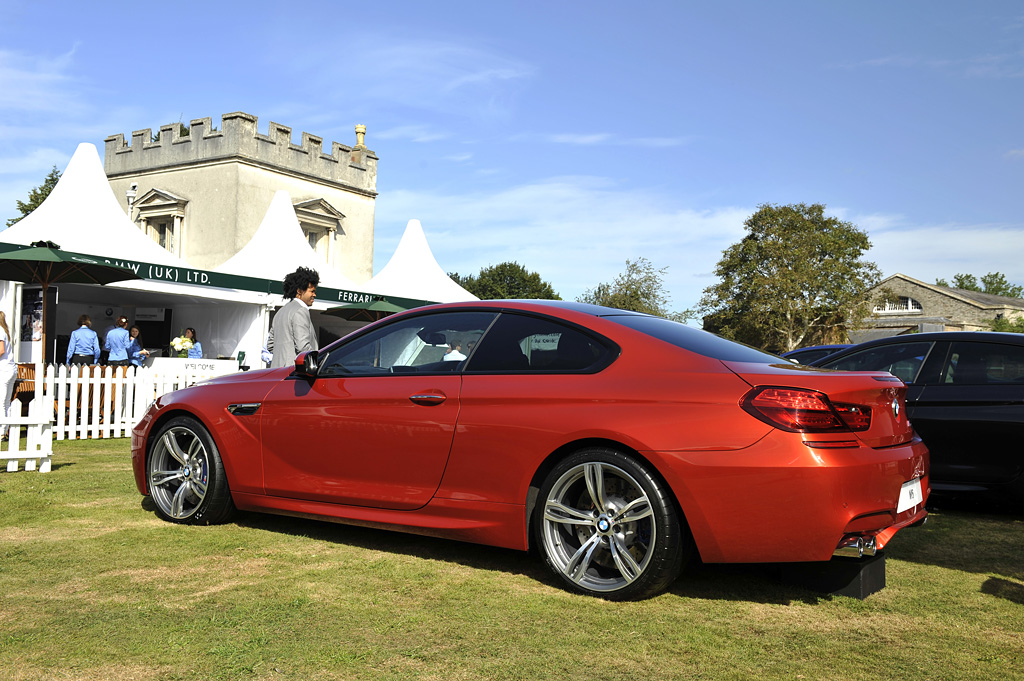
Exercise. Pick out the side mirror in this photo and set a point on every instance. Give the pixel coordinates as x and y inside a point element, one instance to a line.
<point>307,363</point>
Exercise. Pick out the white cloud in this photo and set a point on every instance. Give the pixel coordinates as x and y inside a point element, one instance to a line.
<point>605,138</point>
<point>412,133</point>
<point>39,161</point>
<point>437,75</point>
<point>31,84</point>
<point>576,232</point>
<point>931,251</point>
<point>659,141</point>
<point>1015,153</point>
<point>1008,65</point>
<point>585,140</point>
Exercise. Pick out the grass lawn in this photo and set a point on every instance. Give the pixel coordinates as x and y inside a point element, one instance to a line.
<point>93,586</point>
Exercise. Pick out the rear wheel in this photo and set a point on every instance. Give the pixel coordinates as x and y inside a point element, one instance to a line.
<point>185,475</point>
<point>607,526</point>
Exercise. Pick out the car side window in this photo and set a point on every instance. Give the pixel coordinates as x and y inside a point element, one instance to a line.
<point>903,360</point>
<point>430,343</point>
<point>532,344</point>
<point>984,364</point>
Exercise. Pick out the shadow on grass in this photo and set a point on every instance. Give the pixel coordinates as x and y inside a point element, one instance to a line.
<point>56,466</point>
<point>966,535</point>
<point>1004,588</point>
<point>430,548</point>
<point>750,582</point>
<point>753,583</point>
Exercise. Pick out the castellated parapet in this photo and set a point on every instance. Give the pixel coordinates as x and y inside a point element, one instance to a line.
<point>353,168</point>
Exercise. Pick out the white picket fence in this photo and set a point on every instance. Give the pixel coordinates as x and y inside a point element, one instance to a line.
<point>38,444</point>
<point>79,402</point>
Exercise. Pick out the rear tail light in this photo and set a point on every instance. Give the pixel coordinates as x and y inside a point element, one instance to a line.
<point>804,411</point>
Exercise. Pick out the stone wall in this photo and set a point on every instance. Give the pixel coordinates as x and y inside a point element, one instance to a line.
<point>238,138</point>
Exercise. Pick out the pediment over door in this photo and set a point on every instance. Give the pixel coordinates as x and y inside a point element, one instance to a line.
<point>160,202</point>
<point>319,214</point>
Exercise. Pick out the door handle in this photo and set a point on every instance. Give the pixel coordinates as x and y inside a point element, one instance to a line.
<point>428,399</point>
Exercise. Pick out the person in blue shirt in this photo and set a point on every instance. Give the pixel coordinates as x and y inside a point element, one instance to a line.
<point>136,353</point>
<point>117,343</point>
<point>196,351</point>
<point>84,346</point>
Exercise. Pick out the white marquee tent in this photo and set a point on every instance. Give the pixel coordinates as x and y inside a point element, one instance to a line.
<point>413,268</point>
<point>82,214</point>
<point>278,247</point>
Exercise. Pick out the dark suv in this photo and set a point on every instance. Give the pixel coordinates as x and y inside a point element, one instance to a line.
<point>965,398</point>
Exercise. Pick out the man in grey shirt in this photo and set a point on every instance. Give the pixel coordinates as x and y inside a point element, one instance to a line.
<point>292,331</point>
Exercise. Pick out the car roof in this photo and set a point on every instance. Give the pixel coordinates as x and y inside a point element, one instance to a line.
<point>981,336</point>
<point>538,305</point>
<point>930,337</point>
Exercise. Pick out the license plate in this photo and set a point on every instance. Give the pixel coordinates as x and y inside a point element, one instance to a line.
<point>910,495</point>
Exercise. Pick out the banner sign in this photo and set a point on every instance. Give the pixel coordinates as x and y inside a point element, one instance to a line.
<point>194,277</point>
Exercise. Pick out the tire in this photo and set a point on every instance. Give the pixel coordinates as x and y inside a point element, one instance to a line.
<point>635,549</point>
<point>185,475</point>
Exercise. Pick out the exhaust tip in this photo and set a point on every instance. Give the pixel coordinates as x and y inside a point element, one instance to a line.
<point>855,546</point>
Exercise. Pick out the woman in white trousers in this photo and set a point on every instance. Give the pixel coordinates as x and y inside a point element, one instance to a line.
<point>8,369</point>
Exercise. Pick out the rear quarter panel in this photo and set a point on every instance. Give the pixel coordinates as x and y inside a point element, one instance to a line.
<point>651,398</point>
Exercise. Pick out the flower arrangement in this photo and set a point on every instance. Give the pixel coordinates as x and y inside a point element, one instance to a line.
<point>181,345</point>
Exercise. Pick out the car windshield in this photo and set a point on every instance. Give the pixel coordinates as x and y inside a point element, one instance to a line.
<point>695,340</point>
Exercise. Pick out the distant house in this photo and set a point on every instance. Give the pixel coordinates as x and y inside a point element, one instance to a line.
<point>926,307</point>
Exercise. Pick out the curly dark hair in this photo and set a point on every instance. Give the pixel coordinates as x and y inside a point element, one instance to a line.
<point>300,280</point>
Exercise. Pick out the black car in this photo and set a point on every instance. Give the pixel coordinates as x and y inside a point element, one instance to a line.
<point>965,398</point>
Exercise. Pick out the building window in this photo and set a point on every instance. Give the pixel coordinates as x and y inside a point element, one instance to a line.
<point>322,226</point>
<point>315,237</point>
<point>164,235</point>
<point>905,305</point>
<point>161,216</point>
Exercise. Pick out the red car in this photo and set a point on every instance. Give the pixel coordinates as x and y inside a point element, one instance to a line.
<point>619,444</point>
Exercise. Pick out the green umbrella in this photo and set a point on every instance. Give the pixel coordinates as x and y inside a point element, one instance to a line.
<point>370,312</point>
<point>44,263</point>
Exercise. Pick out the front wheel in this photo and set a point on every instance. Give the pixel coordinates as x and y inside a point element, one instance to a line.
<point>607,526</point>
<point>185,475</point>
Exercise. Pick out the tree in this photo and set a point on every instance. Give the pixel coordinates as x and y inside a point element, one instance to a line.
<point>797,278</point>
<point>994,283</point>
<point>507,280</point>
<point>639,289</point>
<point>183,131</point>
<point>36,196</point>
<point>1003,324</point>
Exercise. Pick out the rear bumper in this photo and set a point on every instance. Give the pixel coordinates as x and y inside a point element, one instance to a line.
<point>781,501</point>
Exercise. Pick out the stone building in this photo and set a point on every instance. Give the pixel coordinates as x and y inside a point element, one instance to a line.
<point>202,191</point>
<point>918,306</point>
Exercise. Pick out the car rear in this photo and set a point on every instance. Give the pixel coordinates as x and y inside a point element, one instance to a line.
<point>812,464</point>
<point>845,468</point>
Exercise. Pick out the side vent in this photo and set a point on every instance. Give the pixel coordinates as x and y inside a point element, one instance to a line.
<point>245,409</point>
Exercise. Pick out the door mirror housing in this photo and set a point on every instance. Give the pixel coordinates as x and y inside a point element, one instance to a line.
<point>307,364</point>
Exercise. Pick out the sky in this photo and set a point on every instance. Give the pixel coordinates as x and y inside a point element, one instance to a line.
<point>573,136</point>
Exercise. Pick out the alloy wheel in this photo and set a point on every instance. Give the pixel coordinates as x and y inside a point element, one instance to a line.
<point>598,527</point>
